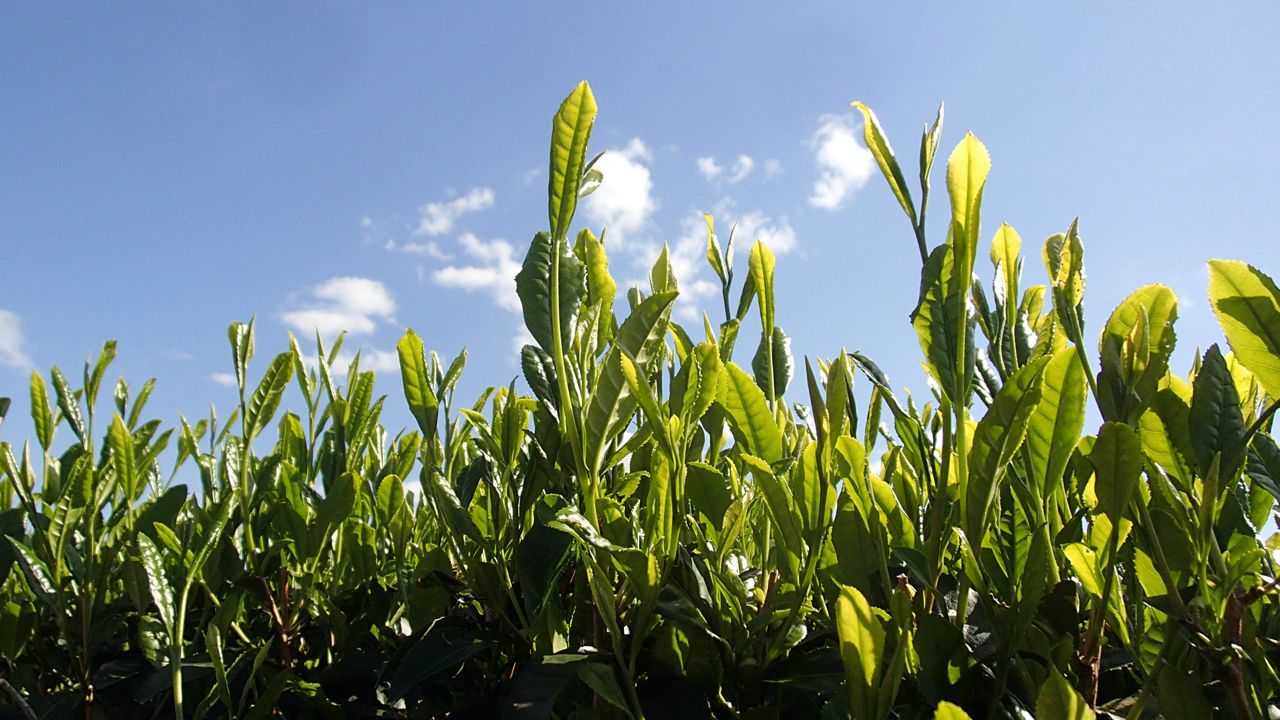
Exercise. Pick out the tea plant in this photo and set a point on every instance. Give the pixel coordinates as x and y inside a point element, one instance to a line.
<point>655,531</point>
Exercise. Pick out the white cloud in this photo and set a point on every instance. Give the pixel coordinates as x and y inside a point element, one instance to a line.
<point>353,304</point>
<point>709,168</point>
<point>713,171</point>
<point>224,379</point>
<point>777,233</point>
<point>844,163</point>
<point>438,217</point>
<point>772,168</point>
<point>624,201</point>
<point>493,272</point>
<point>12,341</point>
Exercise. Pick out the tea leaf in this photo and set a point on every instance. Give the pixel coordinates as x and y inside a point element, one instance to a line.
<point>570,132</point>
<point>1247,304</point>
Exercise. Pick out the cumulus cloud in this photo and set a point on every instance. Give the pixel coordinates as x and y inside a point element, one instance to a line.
<point>777,233</point>
<point>713,171</point>
<point>12,341</point>
<point>624,201</point>
<point>845,165</point>
<point>354,304</point>
<point>709,168</point>
<point>493,270</point>
<point>438,218</point>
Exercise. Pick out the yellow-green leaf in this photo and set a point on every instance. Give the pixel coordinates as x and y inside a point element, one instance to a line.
<point>760,264</point>
<point>570,132</point>
<point>748,414</point>
<point>1247,304</point>
<point>947,711</point>
<point>1059,701</point>
<point>1054,427</point>
<point>862,643</point>
<point>876,141</point>
<point>967,170</point>
<point>417,382</point>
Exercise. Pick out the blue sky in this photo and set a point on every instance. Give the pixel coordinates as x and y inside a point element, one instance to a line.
<point>167,169</point>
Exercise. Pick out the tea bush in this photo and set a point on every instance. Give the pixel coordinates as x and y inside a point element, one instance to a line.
<point>655,531</point>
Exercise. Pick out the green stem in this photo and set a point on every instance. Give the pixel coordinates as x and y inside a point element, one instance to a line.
<point>175,649</point>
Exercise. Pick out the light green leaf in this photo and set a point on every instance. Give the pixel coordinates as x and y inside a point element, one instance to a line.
<point>661,276</point>
<point>878,144</point>
<point>862,645</point>
<point>638,385</point>
<point>601,287</point>
<point>760,264</point>
<point>748,413</point>
<point>947,711</point>
<point>967,170</point>
<point>390,497</point>
<point>1064,261</point>
<point>997,438</point>
<point>611,401</point>
<point>241,337</point>
<point>1247,304</point>
<point>417,383</point>
<point>1135,348</point>
<point>1054,427</point>
<point>41,414</point>
<point>1084,562</point>
<point>781,504</point>
<point>1059,701</point>
<point>570,132</point>
<point>702,383</point>
<point>713,250</point>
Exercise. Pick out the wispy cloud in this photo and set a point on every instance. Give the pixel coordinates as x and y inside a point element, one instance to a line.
<point>624,201</point>
<point>734,174</point>
<point>437,218</point>
<point>13,342</point>
<point>845,165</point>
<point>353,304</point>
<point>224,379</point>
<point>430,248</point>
<point>492,270</point>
